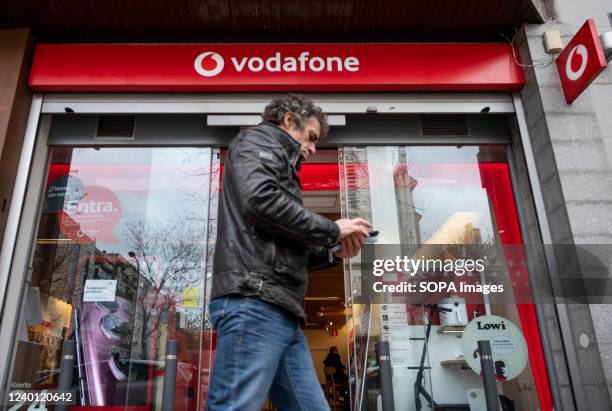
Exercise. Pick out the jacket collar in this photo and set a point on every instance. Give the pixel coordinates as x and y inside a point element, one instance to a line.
<point>292,146</point>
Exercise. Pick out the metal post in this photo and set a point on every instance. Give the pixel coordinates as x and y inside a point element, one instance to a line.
<point>488,375</point>
<point>170,376</point>
<point>386,375</point>
<point>66,368</point>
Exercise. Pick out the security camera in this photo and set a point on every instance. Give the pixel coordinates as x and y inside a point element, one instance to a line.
<point>68,110</point>
<point>606,44</point>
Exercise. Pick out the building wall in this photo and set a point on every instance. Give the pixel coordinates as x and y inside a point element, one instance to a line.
<point>575,12</point>
<point>15,96</point>
<point>572,145</point>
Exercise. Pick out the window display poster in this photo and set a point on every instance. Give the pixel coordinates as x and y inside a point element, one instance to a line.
<point>99,290</point>
<point>92,217</point>
<point>508,345</point>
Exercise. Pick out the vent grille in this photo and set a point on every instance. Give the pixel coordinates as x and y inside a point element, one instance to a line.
<point>444,125</point>
<point>116,127</point>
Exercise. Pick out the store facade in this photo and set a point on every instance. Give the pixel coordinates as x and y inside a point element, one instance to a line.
<point>119,190</point>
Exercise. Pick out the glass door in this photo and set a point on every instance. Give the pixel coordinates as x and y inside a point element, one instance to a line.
<point>119,265</point>
<point>459,198</point>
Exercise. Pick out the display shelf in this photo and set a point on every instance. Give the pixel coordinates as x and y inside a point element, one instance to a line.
<point>451,329</point>
<point>455,363</point>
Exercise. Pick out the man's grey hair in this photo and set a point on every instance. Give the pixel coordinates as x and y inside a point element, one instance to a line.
<point>302,108</point>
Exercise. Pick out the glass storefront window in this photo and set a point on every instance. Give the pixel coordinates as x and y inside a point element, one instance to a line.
<point>123,257</point>
<point>419,196</point>
<point>119,266</point>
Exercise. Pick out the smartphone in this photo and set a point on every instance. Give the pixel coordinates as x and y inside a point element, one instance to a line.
<point>369,239</point>
<point>372,237</point>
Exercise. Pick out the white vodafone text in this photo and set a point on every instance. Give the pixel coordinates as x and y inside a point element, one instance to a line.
<point>279,63</point>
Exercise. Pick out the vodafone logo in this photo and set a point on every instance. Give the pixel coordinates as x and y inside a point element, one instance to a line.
<point>205,68</point>
<point>581,50</point>
<point>210,63</point>
<point>581,61</point>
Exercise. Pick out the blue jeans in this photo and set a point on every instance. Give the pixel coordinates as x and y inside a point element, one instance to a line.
<point>261,351</point>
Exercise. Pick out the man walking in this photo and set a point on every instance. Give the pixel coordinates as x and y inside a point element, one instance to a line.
<point>266,244</point>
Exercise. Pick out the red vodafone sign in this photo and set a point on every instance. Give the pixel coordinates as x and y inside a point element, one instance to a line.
<point>274,67</point>
<point>581,61</point>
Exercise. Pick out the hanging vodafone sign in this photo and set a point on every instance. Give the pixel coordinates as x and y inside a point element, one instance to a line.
<point>581,61</point>
<point>274,67</point>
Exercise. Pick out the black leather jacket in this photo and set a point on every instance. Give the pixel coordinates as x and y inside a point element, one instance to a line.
<point>266,240</point>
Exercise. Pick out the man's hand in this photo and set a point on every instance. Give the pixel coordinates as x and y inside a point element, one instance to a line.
<point>352,235</point>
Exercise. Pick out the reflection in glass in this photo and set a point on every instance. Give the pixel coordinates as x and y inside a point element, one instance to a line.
<point>118,266</point>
